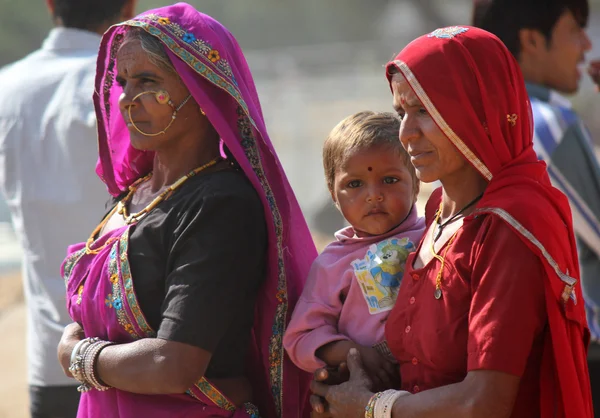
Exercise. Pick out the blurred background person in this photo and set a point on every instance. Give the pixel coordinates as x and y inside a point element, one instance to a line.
<point>48,149</point>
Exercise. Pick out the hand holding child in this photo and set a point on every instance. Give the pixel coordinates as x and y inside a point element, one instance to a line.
<point>382,371</point>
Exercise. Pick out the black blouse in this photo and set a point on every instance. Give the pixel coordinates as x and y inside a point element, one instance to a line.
<point>197,262</point>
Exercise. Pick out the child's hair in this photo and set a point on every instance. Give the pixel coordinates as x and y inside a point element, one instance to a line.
<point>363,130</point>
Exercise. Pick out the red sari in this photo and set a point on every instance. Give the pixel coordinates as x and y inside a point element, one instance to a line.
<point>472,87</point>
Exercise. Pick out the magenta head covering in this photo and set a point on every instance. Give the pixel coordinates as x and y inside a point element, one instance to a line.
<point>211,64</point>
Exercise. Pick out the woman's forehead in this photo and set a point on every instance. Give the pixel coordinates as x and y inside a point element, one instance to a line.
<point>400,85</point>
<point>131,57</point>
<point>403,92</point>
<point>130,51</point>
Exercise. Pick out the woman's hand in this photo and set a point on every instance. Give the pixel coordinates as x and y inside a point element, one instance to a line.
<point>383,373</point>
<point>348,399</point>
<point>72,334</point>
<point>327,376</point>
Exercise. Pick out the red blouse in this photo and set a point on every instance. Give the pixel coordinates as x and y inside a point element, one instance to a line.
<point>492,315</point>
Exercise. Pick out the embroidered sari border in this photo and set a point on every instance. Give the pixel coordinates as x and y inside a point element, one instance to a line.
<point>114,300</point>
<point>214,394</point>
<point>276,350</point>
<point>70,263</point>
<point>190,58</point>
<point>128,291</point>
<point>569,281</point>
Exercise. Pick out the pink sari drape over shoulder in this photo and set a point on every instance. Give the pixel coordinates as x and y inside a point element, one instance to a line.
<point>100,290</point>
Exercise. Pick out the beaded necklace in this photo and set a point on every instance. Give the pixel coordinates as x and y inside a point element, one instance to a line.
<point>121,207</point>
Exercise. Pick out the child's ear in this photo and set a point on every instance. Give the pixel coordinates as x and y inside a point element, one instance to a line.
<point>417,190</point>
<point>335,202</point>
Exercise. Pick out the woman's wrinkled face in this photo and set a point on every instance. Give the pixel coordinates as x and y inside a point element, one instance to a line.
<point>431,152</point>
<point>137,74</point>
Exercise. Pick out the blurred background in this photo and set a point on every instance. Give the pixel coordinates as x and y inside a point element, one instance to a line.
<point>314,62</point>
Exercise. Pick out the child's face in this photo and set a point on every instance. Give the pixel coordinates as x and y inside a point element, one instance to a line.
<point>374,190</point>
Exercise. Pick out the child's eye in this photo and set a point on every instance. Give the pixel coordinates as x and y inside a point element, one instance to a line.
<point>390,180</point>
<point>423,111</point>
<point>146,80</point>
<point>354,184</point>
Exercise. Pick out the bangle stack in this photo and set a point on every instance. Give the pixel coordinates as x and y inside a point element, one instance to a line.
<point>381,404</point>
<point>370,408</point>
<point>83,364</point>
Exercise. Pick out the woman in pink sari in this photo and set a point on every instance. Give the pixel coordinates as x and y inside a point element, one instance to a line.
<point>181,295</point>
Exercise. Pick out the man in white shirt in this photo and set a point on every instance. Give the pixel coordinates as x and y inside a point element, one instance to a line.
<point>48,152</point>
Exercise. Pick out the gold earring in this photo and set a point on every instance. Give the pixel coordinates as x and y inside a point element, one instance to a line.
<point>162,97</point>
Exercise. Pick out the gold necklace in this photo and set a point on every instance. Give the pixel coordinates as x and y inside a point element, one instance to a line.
<point>121,207</point>
<point>442,259</point>
<point>91,240</point>
<point>134,217</point>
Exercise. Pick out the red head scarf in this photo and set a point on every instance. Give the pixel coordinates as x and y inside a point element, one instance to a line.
<point>472,87</point>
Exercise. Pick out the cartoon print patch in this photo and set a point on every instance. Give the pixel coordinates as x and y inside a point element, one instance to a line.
<point>380,272</point>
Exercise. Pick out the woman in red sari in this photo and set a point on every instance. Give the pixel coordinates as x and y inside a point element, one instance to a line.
<point>489,320</point>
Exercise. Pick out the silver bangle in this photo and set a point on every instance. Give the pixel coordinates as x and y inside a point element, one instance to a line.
<point>385,403</point>
<point>76,364</point>
<point>90,359</point>
<point>77,348</point>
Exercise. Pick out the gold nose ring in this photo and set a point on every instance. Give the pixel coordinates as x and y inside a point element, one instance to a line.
<point>162,97</point>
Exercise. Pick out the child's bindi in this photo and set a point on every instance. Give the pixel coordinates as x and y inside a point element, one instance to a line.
<point>370,168</point>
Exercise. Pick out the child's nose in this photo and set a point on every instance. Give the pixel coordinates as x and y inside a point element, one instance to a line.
<point>375,196</point>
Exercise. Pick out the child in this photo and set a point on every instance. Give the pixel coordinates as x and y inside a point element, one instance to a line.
<point>352,285</point>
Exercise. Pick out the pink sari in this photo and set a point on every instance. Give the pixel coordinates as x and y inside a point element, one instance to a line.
<point>100,291</point>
